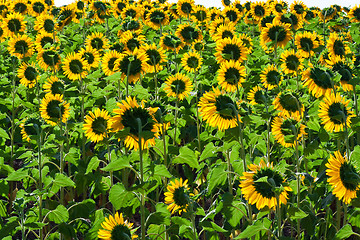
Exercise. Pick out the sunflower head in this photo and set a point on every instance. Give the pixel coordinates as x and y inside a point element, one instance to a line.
<point>28,75</point>
<point>178,196</point>
<point>354,14</point>
<point>54,109</point>
<point>30,127</point>
<point>170,42</point>
<point>185,7</point>
<point>276,33</point>
<point>114,227</point>
<point>54,85</point>
<point>75,67</point>
<point>232,13</point>
<point>191,61</point>
<point>231,75</point>
<point>231,49</point>
<point>97,125</point>
<point>188,33</point>
<point>288,104</point>
<point>178,86</point>
<point>257,95</point>
<point>271,77</point>
<point>292,62</point>
<point>287,130</point>
<point>319,81</point>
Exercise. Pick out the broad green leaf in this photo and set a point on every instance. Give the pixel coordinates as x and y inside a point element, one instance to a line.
<point>63,181</point>
<point>211,227</point>
<point>217,177</point>
<point>187,156</point>
<point>345,232</point>
<point>118,164</point>
<point>119,196</point>
<point>93,165</point>
<point>209,151</point>
<point>59,215</point>
<point>4,134</point>
<point>258,226</point>
<point>161,170</point>
<point>18,175</point>
<point>157,218</point>
<point>296,213</point>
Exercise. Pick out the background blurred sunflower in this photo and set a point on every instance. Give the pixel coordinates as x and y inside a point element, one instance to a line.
<point>114,227</point>
<point>30,127</point>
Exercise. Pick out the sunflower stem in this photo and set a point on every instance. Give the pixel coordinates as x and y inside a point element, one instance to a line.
<point>127,79</point>
<point>278,215</point>
<point>109,160</point>
<point>40,182</point>
<point>175,120</point>
<point>345,214</point>
<point>229,172</point>
<point>338,214</point>
<point>297,159</point>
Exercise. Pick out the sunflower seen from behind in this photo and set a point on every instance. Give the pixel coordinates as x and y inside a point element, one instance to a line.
<point>45,23</point>
<point>230,49</point>
<point>21,46</point>
<point>288,104</point>
<point>53,85</point>
<point>334,113</point>
<point>19,6</point>
<point>30,127</point>
<point>108,62</point>
<point>232,14</point>
<point>337,46</point>
<point>98,41</point>
<point>53,109</point>
<point>306,43</point>
<point>135,117</point>
<point>178,86</point>
<point>131,40</point>
<point>263,193</point>
<point>292,62</point>
<point>171,42</point>
<point>343,177</point>
<point>157,57</point>
<point>49,58</point>
<point>271,77</point>
<point>354,14</point>
<point>231,75</point>
<point>219,110</point>
<point>185,7</point>
<point>115,227</point>
<point>178,196</point>
<point>156,18</point>
<point>44,40</point>
<point>318,80</point>
<point>97,125</point>
<point>345,69</point>
<point>38,7</point>
<point>188,34</point>
<point>276,33</point>
<point>191,61</point>
<point>14,23</point>
<point>257,95</point>
<point>28,74</point>
<point>287,130</point>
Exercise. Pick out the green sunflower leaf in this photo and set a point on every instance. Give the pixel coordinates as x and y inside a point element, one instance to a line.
<point>187,156</point>
<point>212,227</point>
<point>4,134</point>
<point>93,165</point>
<point>345,232</point>
<point>259,226</point>
<point>59,215</point>
<point>217,177</point>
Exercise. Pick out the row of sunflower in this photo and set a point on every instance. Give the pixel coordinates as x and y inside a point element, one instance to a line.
<point>137,119</point>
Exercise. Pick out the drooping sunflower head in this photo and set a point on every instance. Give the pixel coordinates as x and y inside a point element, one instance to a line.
<point>232,13</point>
<point>306,42</point>
<point>224,31</point>
<point>21,46</point>
<point>171,42</point>
<point>261,184</point>
<point>14,23</point>
<point>318,80</point>
<point>54,109</point>
<point>66,14</point>
<point>344,69</point>
<point>45,23</point>
<point>97,125</point>
<point>54,85</point>
<point>219,110</point>
<point>114,227</point>
<point>91,55</point>
<point>271,77</point>
<point>287,130</point>
<point>133,25</point>
<point>131,40</point>
<point>231,76</point>
<point>337,46</point>
<point>157,57</point>
<point>343,177</point>
<point>178,196</point>
<point>335,113</point>
<point>289,104</point>
<point>30,127</point>
<point>98,41</point>
<point>257,95</point>
<point>157,17</point>
<point>292,62</point>
<point>75,67</point>
<point>259,10</point>
<point>140,121</point>
<point>185,7</point>
<point>178,86</point>
<point>19,6</point>
<point>231,49</point>
<point>191,61</point>
<point>28,75</point>
<point>38,7</point>
<point>49,58</point>
<point>188,33</point>
<point>276,33</point>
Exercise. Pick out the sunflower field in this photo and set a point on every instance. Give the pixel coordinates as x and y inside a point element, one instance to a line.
<point>125,119</point>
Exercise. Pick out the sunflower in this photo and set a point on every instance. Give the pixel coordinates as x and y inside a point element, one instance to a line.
<point>248,19</point>
<point>135,26</point>
<point>97,125</point>
<point>334,112</point>
<point>131,41</point>
<point>178,196</point>
<point>277,7</point>
<point>21,46</point>
<point>230,49</point>
<point>130,11</point>
<point>289,105</point>
<point>28,75</point>
<point>53,109</point>
<point>343,68</point>
<point>337,46</point>
<point>343,177</point>
<point>191,61</point>
<point>185,7</point>
<point>19,6</point>
<point>188,33</point>
<point>226,3</point>
<point>214,25</point>
<point>354,14</point>
<point>30,127</point>
<point>232,13</point>
<point>108,62</point>
<point>118,6</point>
<point>14,23</point>
<point>53,85</point>
<point>157,57</point>
<point>65,16</point>
<point>130,115</point>
<point>198,45</point>
<point>49,58</point>
<point>75,67</point>
<point>44,38</point>
<point>238,5</point>
<point>299,8</point>
<point>178,86</point>
<point>310,15</point>
<point>132,64</point>
<point>276,33</point>
<point>291,18</point>
<point>263,193</point>
<point>287,130</point>
<point>259,10</point>
<point>171,42</point>
<point>266,19</point>
<point>98,41</point>
<point>224,31</point>
<point>200,14</point>
<point>318,80</point>
<point>306,43</point>
<point>116,228</point>
<point>292,62</point>
<point>4,8</point>
<point>219,110</point>
<point>271,77</point>
<point>247,41</point>
<point>231,75</point>
<point>38,7</point>
<point>45,22</point>
<point>327,14</point>
<point>257,96</point>
<point>91,55</point>
<point>156,18</point>
<point>2,36</point>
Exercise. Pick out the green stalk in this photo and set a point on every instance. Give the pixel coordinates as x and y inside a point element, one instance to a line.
<point>278,215</point>
<point>127,79</point>
<point>39,142</point>
<point>109,160</point>
<point>197,113</point>
<point>175,120</point>
<point>83,139</point>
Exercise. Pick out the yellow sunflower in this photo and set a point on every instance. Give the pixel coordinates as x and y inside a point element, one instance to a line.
<point>354,14</point>
<point>337,46</point>
<point>157,17</point>
<point>231,75</point>
<point>54,85</point>
<point>132,64</point>
<point>185,7</point>
<point>200,14</point>
<point>217,109</point>
<point>232,13</point>
<point>299,8</point>
<point>224,31</point>
<point>135,26</point>
<point>21,46</point>
<point>263,193</point>
<point>178,86</point>
<point>306,42</point>
<point>54,109</point>
<point>292,62</point>
<point>257,96</point>
<point>98,41</point>
<point>230,49</point>
<point>340,66</point>
<point>271,77</point>
<point>283,130</point>
<point>28,75</point>
<point>343,177</point>
<point>188,33</point>
<point>13,24</point>
<point>49,58</point>
<point>131,40</point>
<point>259,10</point>
<point>171,42</point>
<point>75,67</point>
<point>226,3</point>
<point>334,113</point>
<point>116,228</point>
<point>30,127</point>
<point>130,11</point>
<point>289,105</point>
<point>178,196</point>
<point>130,115</point>
<point>97,125</point>
<point>38,7</point>
<point>214,25</point>
<point>191,61</point>
<point>277,7</point>
<point>296,21</point>
<point>118,6</point>
<point>276,33</point>
<point>19,6</point>
<point>247,41</point>
<point>45,22</point>
<point>91,55</point>
<point>44,38</point>
<point>108,62</point>
<point>318,80</point>
<point>157,57</point>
